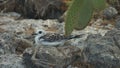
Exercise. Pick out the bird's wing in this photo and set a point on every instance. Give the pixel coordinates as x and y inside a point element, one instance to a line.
<point>53,37</point>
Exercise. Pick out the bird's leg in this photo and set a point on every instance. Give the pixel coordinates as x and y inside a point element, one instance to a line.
<point>61,51</point>
<point>34,53</point>
<point>40,61</point>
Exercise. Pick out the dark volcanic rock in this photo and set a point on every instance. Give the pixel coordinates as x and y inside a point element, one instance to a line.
<point>117,23</point>
<point>40,9</point>
<point>110,12</point>
<point>103,51</point>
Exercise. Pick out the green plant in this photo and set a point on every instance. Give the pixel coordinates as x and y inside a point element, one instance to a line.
<point>80,12</point>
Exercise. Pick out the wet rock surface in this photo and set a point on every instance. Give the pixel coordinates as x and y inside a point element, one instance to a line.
<point>97,48</point>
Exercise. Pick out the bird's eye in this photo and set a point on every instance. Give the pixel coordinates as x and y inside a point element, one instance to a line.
<point>40,32</point>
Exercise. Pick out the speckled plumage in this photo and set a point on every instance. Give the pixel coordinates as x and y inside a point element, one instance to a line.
<point>53,37</point>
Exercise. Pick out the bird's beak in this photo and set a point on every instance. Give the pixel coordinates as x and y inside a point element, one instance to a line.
<point>34,34</point>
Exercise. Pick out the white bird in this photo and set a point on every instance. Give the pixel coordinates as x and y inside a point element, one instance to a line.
<point>50,39</point>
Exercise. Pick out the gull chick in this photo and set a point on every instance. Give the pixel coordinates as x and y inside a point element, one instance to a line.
<point>50,39</point>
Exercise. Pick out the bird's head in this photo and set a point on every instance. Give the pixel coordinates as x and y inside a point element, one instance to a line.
<point>39,32</point>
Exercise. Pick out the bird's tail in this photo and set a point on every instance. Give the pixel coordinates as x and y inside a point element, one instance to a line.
<point>74,36</point>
